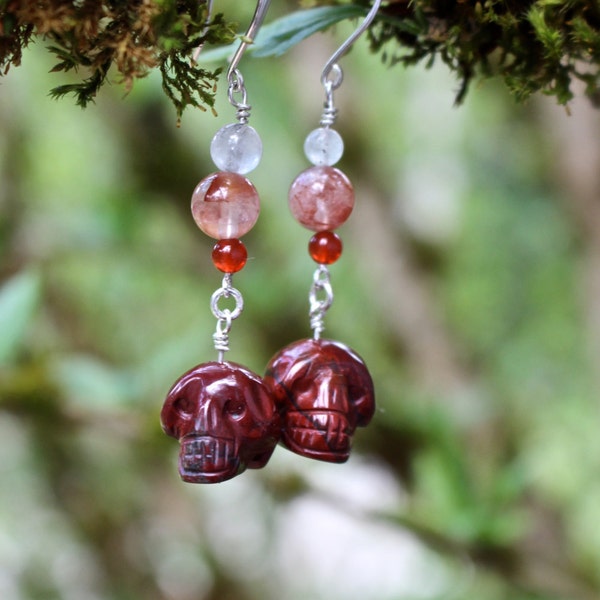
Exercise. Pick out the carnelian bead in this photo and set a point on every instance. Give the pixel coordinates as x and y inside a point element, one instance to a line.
<point>229,256</point>
<point>225,205</point>
<point>321,198</point>
<point>325,247</point>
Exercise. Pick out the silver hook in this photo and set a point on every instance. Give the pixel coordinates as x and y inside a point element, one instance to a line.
<point>331,67</point>
<point>209,7</point>
<point>233,75</point>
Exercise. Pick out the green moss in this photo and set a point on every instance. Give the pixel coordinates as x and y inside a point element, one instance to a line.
<point>542,45</point>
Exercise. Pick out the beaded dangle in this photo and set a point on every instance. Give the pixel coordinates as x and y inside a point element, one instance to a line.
<point>322,388</point>
<point>222,413</point>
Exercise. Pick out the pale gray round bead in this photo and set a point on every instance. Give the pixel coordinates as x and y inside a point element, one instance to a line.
<point>237,148</point>
<point>324,147</point>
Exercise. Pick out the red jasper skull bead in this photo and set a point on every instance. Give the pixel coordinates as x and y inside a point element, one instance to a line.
<point>323,391</point>
<point>225,420</point>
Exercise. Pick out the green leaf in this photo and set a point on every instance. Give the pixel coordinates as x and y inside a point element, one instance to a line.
<point>19,298</point>
<point>278,37</point>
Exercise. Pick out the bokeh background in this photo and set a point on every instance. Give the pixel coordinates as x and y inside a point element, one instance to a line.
<point>469,283</point>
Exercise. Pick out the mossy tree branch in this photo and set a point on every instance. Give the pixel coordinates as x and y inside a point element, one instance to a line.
<point>133,37</point>
<point>533,45</point>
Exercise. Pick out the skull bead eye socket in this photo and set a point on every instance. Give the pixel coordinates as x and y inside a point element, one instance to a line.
<point>235,409</point>
<point>184,406</point>
<point>356,393</point>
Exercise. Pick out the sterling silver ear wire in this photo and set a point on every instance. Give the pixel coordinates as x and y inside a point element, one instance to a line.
<point>234,77</point>
<point>332,62</point>
<point>209,7</point>
<point>325,211</point>
<point>259,16</point>
<point>332,74</point>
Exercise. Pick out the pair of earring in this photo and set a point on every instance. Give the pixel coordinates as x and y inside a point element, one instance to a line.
<point>316,391</point>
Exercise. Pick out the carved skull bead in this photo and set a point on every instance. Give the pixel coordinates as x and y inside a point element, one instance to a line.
<point>225,420</point>
<point>323,391</point>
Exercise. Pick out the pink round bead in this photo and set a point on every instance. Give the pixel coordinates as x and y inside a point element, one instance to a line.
<point>225,205</point>
<point>321,198</point>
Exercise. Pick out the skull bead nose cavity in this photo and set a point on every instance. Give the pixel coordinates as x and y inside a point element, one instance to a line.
<point>332,392</point>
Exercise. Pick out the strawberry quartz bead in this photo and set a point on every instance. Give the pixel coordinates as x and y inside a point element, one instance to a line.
<point>225,205</point>
<point>325,247</point>
<point>229,256</point>
<point>321,198</point>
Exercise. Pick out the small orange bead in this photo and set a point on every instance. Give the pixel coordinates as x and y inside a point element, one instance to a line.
<point>325,247</point>
<point>229,256</point>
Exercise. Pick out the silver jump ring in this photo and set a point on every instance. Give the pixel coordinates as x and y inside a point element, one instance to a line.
<point>227,314</point>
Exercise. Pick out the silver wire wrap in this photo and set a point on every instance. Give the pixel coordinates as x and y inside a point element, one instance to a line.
<point>332,74</point>
<point>225,316</point>
<point>329,110</point>
<point>320,298</point>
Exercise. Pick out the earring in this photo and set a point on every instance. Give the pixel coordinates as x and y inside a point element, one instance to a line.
<point>222,414</point>
<point>322,388</point>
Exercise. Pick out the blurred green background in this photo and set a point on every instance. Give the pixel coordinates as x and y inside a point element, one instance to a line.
<point>470,284</point>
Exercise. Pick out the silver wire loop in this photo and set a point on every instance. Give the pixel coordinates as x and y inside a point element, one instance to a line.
<point>225,316</point>
<point>320,298</point>
<point>236,86</point>
<point>332,77</point>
